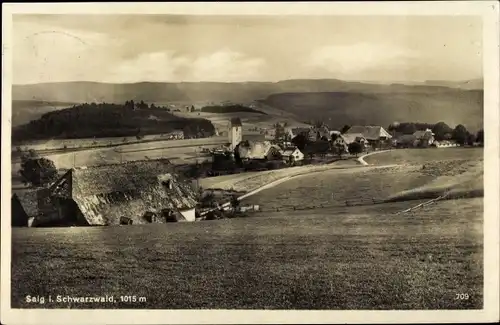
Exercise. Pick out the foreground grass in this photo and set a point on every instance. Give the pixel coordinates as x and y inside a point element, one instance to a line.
<point>325,260</point>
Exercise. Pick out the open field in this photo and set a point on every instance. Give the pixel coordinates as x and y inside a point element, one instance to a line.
<point>177,150</point>
<point>146,142</point>
<point>323,260</point>
<point>335,187</point>
<point>248,181</point>
<point>422,156</point>
<point>337,257</point>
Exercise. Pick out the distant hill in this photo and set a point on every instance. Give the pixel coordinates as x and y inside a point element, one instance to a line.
<point>108,120</point>
<point>81,92</point>
<point>337,101</point>
<point>473,84</point>
<point>453,106</point>
<point>222,109</point>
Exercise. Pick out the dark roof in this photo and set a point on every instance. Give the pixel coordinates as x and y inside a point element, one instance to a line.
<point>29,201</point>
<point>236,121</point>
<point>104,193</point>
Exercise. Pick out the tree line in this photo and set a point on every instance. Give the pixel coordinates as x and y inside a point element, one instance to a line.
<point>230,109</point>
<point>441,130</point>
<point>89,120</point>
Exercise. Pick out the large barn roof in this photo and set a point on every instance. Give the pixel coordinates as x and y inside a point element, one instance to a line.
<point>352,137</point>
<point>370,132</point>
<point>104,193</point>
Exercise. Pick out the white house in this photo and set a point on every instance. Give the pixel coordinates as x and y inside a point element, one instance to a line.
<point>292,155</point>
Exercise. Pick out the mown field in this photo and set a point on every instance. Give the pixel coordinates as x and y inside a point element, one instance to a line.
<point>421,156</point>
<point>335,257</point>
<point>325,260</point>
<point>335,187</point>
<point>248,181</point>
<point>176,150</point>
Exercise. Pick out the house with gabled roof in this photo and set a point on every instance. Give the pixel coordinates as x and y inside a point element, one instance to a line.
<point>292,155</point>
<point>425,138</point>
<point>293,132</point>
<point>109,194</point>
<point>343,140</point>
<point>375,135</point>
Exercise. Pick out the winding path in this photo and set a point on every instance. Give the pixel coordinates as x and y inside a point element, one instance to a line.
<point>306,173</point>
<point>362,161</point>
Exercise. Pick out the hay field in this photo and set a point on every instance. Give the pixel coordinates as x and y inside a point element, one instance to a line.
<point>248,181</point>
<point>323,260</point>
<point>363,257</point>
<point>148,141</point>
<point>422,156</point>
<point>335,187</point>
<point>179,151</point>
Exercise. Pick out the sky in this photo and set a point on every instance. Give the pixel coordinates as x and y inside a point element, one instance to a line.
<point>175,48</point>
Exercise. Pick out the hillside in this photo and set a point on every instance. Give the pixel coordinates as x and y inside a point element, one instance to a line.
<point>453,106</point>
<point>339,102</point>
<point>108,120</point>
<point>198,91</point>
<point>24,111</point>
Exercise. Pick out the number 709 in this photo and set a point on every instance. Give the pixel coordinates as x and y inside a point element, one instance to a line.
<point>462,296</point>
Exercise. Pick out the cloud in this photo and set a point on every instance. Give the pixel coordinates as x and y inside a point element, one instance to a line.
<point>223,65</point>
<point>48,54</point>
<point>345,60</point>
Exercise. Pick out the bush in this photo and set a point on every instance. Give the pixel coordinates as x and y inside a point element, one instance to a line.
<point>355,148</point>
<point>37,171</point>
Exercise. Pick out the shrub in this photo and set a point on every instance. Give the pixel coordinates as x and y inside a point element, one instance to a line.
<point>355,148</point>
<point>37,171</point>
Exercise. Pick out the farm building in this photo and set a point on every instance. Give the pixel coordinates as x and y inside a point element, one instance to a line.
<point>292,155</point>
<point>406,141</point>
<point>293,132</point>
<point>24,207</point>
<point>318,133</point>
<point>375,135</point>
<point>258,150</point>
<point>425,138</point>
<point>344,140</point>
<point>119,194</point>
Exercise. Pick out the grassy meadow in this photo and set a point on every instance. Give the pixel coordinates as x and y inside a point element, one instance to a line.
<point>324,260</point>
<point>422,156</point>
<point>335,257</point>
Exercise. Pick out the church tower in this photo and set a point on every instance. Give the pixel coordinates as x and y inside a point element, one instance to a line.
<point>235,132</point>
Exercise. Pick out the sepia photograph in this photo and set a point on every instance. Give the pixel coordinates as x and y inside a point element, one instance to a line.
<point>250,159</point>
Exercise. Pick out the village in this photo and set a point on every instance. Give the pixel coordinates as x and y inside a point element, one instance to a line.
<point>157,191</point>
